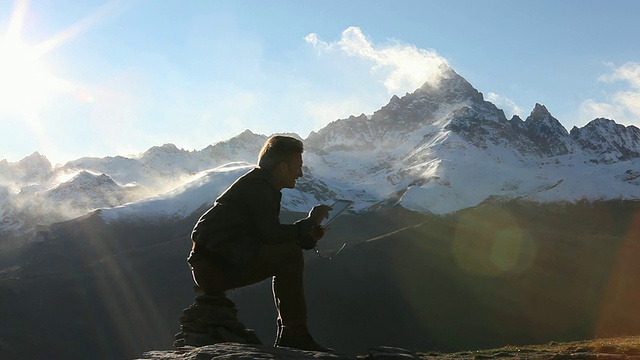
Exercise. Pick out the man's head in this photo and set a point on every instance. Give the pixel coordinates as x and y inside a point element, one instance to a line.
<point>281,156</point>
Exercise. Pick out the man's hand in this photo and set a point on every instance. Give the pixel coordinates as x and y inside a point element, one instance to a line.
<point>319,213</point>
<point>309,239</point>
<point>317,233</point>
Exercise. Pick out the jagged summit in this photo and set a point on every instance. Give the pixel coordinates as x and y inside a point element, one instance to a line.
<point>167,148</point>
<point>35,159</point>
<point>445,93</point>
<point>610,141</point>
<point>33,168</point>
<point>88,182</point>
<point>517,122</point>
<point>442,90</point>
<point>540,118</point>
<point>157,153</point>
<point>548,132</point>
<point>246,135</point>
<point>540,112</point>
<point>35,156</point>
<point>610,125</point>
<point>448,86</point>
<point>229,149</point>
<point>543,123</point>
<point>88,177</point>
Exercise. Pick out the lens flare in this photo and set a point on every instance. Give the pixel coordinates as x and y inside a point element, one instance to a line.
<point>619,307</point>
<point>492,246</point>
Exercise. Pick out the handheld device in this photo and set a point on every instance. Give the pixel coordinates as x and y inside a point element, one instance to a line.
<point>337,208</point>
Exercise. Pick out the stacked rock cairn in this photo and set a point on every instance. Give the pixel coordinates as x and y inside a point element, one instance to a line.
<point>212,319</point>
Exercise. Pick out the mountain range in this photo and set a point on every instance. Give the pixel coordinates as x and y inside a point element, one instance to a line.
<point>437,150</point>
<point>469,230</point>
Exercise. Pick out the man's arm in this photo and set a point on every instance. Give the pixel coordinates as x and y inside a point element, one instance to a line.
<point>264,205</point>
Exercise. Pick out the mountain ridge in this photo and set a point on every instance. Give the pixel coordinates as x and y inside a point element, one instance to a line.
<point>443,147</point>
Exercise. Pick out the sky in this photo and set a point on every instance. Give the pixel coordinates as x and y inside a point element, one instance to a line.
<point>106,78</point>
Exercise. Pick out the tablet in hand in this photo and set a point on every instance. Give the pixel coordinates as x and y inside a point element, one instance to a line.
<point>337,208</point>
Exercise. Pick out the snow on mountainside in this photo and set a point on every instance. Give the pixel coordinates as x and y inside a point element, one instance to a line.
<point>201,191</point>
<point>34,168</point>
<point>439,149</point>
<point>32,192</point>
<point>162,168</point>
<point>183,200</point>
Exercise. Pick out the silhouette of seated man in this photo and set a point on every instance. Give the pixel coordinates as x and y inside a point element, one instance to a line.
<point>240,241</point>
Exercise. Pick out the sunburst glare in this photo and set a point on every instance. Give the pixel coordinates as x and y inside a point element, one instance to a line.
<point>25,80</point>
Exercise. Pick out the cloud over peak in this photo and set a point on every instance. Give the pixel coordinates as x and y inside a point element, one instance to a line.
<point>402,67</point>
<point>629,72</point>
<point>623,105</point>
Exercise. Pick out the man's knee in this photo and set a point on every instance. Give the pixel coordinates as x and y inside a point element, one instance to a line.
<point>207,276</point>
<point>288,253</point>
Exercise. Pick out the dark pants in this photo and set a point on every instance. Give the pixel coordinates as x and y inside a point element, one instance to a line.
<point>283,262</point>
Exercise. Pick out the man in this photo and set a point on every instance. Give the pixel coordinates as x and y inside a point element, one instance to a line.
<point>240,241</point>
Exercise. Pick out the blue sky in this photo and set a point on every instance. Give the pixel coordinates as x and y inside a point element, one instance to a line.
<point>107,78</point>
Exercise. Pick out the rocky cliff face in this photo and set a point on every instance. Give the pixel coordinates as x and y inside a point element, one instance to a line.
<point>547,132</point>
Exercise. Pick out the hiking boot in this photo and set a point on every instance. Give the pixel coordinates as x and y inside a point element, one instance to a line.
<point>298,338</point>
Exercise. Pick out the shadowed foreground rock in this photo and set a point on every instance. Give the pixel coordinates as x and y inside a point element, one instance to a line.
<point>210,329</point>
<point>212,319</point>
<point>622,348</point>
<point>230,351</point>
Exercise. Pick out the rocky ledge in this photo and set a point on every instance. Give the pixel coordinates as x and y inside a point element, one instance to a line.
<point>228,351</point>
<point>622,348</point>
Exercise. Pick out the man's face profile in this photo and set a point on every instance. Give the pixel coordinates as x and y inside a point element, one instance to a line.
<point>291,170</point>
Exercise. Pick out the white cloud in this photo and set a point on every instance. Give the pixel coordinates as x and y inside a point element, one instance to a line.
<point>509,106</point>
<point>591,109</point>
<point>630,100</point>
<point>623,105</point>
<point>403,67</point>
<point>629,72</point>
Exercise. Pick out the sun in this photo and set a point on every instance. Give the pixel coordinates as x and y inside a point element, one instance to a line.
<point>25,80</point>
<point>27,83</point>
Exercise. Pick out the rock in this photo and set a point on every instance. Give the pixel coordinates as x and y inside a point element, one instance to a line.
<point>391,353</point>
<point>212,319</point>
<point>229,351</point>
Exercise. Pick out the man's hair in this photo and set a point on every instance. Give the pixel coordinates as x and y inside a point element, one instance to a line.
<point>277,149</point>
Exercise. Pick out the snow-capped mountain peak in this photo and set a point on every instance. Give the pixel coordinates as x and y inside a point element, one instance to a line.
<point>548,132</point>
<point>541,122</point>
<point>447,86</point>
<point>35,159</point>
<point>609,141</point>
<point>86,181</point>
<point>87,190</point>
<point>165,149</point>
<point>34,168</point>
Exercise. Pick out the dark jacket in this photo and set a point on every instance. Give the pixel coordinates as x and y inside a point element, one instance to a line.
<point>249,211</point>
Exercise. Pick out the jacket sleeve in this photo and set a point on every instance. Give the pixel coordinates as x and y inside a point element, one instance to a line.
<point>263,207</point>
